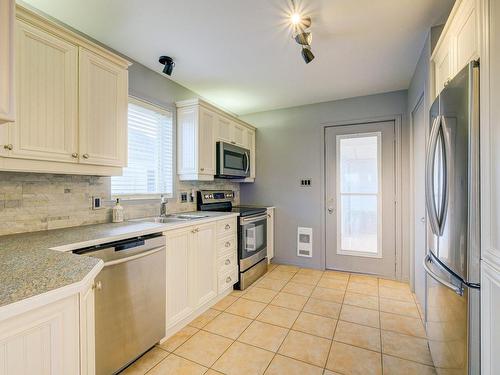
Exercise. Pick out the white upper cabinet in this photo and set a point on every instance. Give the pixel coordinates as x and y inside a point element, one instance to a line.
<point>103,111</point>
<point>71,103</point>
<point>458,43</point>
<point>199,127</point>
<point>195,143</point>
<point>7,102</point>
<point>47,98</point>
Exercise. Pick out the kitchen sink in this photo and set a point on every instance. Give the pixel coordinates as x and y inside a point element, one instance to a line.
<point>174,218</point>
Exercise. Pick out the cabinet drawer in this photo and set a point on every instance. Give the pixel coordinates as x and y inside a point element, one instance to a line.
<point>227,280</point>
<point>226,243</point>
<point>227,262</point>
<point>226,227</point>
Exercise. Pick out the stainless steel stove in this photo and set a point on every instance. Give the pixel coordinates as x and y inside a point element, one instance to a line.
<point>252,233</point>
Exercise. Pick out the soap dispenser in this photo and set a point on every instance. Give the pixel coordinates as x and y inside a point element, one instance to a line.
<point>117,212</point>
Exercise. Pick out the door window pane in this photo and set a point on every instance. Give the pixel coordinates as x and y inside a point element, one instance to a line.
<point>359,223</point>
<point>358,194</point>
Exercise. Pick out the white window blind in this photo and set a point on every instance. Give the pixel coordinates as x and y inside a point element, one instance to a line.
<point>150,154</point>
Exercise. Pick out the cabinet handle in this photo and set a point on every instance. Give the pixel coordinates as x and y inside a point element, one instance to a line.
<point>74,155</point>
<point>227,262</point>
<point>97,285</point>
<point>227,244</point>
<point>85,156</point>
<point>8,147</point>
<point>227,227</point>
<point>228,279</point>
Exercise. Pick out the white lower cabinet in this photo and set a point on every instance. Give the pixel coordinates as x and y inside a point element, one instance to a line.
<point>490,319</point>
<point>201,265</point>
<point>43,341</point>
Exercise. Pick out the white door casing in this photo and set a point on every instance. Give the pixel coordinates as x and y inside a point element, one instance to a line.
<point>419,130</point>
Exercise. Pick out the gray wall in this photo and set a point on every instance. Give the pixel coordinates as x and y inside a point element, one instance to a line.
<point>290,145</point>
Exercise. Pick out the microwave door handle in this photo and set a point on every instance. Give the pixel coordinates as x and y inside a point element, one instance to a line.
<point>247,158</point>
<point>429,178</point>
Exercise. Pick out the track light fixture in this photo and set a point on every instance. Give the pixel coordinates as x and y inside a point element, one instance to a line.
<point>169,64</point>
<point>300,24</point>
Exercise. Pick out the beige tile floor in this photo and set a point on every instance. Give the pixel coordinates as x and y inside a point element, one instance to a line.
<point>301,321</point>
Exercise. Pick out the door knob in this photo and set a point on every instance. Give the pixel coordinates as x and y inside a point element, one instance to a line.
<point>422,219</point>
<point>330,210</point>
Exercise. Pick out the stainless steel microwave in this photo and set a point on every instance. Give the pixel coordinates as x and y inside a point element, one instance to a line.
<point>232,161</point>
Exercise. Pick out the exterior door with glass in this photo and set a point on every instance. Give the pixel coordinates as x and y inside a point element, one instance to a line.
<point>360,198</point>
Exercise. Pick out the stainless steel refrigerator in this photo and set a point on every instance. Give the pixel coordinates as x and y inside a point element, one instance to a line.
<point>452,205</point>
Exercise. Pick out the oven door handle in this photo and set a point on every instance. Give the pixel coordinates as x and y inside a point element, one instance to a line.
<point>249,220</point>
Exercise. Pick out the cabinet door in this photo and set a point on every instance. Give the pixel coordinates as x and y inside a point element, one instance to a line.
<point>87,332</point>
<point>466,34</point>
<point>178,257</point>
<point>490,319</point>
<point>270,233</point>
<point>103,111</point>
<point>206,142</point>
<point>7,60</point>
<point>239,134</point>
<point>204,266</point>
<point>224,129</point>
<point>42,341</point>
<point>443,66</point>
<point>46,91</point>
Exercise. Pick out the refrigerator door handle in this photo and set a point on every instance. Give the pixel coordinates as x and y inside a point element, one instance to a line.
<point>446,174</point>
<point>429,178</point>
<point>427,261</point>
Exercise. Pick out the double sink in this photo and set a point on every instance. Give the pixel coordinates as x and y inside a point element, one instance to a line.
<point>175,218</point>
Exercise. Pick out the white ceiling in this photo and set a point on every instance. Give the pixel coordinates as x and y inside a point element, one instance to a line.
<point>239,53</point>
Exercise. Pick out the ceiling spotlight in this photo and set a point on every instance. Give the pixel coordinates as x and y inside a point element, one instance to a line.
<point>295,19</point>
<point>307,54</point>
<point>169,64</point>
<point>304,38</point>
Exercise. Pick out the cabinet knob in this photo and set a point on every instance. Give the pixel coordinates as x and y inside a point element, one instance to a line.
<point>269,215</point>
<point>85,156</point>
<point>227,262</point>
<point>202,169</point>
<point>228,279</point>
<point>74,155</point>
<point>97,285</point>
<point>227,227</point>
<point>8,147</point>
<point>227,244</point>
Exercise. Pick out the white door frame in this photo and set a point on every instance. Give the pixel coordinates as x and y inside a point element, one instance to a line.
<point>397,176</point>
<point>421,100</point>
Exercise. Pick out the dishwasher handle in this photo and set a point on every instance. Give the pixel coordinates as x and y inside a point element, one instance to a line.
<point>133,257</point>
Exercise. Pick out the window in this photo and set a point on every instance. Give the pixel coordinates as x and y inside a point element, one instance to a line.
<point>359,194</point>
<point>150,153</point>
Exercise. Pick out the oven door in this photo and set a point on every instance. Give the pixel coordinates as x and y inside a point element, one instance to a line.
<point>252,240</point>
<point>232,161</point>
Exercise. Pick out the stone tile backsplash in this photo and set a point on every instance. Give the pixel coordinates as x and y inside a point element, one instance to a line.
<point>32,202</point>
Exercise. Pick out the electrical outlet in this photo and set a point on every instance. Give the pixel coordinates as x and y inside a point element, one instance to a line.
<point>96,203</point>
<point>184,197</point>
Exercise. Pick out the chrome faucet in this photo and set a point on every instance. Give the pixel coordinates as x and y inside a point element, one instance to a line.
<point>163,206</point>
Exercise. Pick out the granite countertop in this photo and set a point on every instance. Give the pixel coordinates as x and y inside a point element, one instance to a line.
<point>39,262</point>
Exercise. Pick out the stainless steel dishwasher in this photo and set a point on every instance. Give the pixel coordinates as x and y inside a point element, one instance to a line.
<point>129,300</point>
